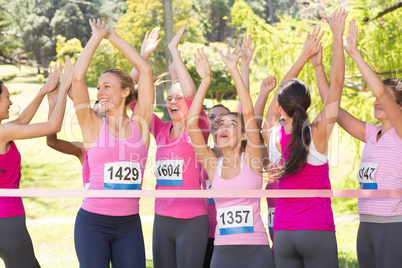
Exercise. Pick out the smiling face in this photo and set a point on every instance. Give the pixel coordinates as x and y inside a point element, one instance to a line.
<point>5,103</point>
<point>379,113</point>
<point>214,117</point>
<point>176,104</point>
<point>110,93</point>
<point>229,133</point>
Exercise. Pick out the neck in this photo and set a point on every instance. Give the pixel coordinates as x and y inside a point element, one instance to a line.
<point>178,126</point>
<point>232,154</point>
<point>288,125</point>
<point>117,121</point>
<point>385,126</point>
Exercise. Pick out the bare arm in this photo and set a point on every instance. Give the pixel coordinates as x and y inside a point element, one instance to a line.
<point>148,46</point>
<point>253,149</point>
<point>267,85</point>
<point>246,58</point>
<point>310,48</point>
<point>30,111</point>
<point>328,116</point>
<point>391,108</point>
<point>186,82</point>
<point>204,153</point>
<point>11,131</point>
<point>348,122</point>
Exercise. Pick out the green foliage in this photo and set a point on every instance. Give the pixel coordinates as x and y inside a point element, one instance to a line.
<point>70,48</point>
<point>222,86</point>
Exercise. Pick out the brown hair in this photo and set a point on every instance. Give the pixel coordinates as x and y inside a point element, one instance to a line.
<point>1,86</point>
<point>243,128</point>
<point>294,98</point>
<point>126,81</point>
<point>396,85</point>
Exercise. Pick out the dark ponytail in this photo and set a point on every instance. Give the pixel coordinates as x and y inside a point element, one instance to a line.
<point>294,98</point>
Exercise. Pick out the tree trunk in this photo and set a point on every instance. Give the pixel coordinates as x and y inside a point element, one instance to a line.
<point>271,12</point>
<point>168,25</point>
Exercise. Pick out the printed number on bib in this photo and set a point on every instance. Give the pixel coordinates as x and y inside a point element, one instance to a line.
<point>235,220</point>
<point>122,176</point>
<point>271,213</point>
<point>208,186</point>
<point>366,175</point>
<point>169,172</point>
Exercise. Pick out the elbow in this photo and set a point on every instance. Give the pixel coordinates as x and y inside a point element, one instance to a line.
<point>146,68</point>
<point>78,76</point>
<point>50,142</point>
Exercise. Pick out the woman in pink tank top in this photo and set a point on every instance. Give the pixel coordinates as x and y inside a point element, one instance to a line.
<point>380,229</point>
<point>16,248</point>
<point>109,229</point>
<point>304,227</point>
<point>240,237</point>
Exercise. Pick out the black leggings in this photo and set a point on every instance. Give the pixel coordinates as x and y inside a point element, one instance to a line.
<point>16,248</point>
<point>242,256</point>
<point>305,249</point>
<point>208,253</point>
<point>179,243</point>
<point>379,245</point>
<point>101,239</point>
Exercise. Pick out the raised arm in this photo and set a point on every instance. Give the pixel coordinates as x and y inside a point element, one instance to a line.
<point>11,131</point>
<point>351,124</point>
<point>326,119</point>
<point>148,46</point>
<point>146,93</point>
<point>246,58</point>
<point>85,114</point>
<point>72,148</point>
<point>204,154</point>
<point>380,91</point>
<point>253,149</point>
<point>267,85</point>
<point>310,47</point>
<point>186,82</point>
<point>30,111</point>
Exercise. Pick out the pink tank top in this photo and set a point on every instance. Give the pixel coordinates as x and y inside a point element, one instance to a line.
<point>116,164</point>
<point>304,213</point>
<point>239,220</point>
<point>10,175</point>
<point>210,204</point>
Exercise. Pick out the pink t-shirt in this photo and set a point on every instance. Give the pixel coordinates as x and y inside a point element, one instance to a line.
<point>381,168</point>
<point>116,164</point>
<point>210,203</point>
<point>10,175</point>
<point>239,220</point>
<point>177,167</point>
<point>85,169</point>
<point>304,213</point>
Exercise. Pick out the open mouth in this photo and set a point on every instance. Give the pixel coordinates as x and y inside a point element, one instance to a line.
<point>174,109</point>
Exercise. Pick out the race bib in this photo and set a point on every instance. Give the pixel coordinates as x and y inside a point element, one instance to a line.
<point>169,172</point>
<point>271,213</point>
<point>122,176</point>
<point>235,220</point>
<point>366,176</point>
<point>208,186</point>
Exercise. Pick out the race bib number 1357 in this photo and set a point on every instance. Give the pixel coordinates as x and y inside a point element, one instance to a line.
<point>235,220</point>
<point>122,176</point>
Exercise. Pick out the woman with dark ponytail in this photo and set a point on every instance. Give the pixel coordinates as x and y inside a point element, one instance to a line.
<point>304,227</point>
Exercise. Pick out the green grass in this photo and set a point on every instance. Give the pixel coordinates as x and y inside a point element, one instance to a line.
<point>51,220</point>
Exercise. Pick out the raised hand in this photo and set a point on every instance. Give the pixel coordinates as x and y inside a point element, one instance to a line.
<point>150,42</point>
<point>52,97</point>
<point>351,39</point>
<point>268,84</point>
<point>67,78</point>
<point>53,80</point>
<point>231,58</point>
<point>337,21</point>
<point>174,43</point>
<point>201,64</point>
<point>246,49</point>
<point>312,44</point>
<point>316,59</point>
<point>100,28</point>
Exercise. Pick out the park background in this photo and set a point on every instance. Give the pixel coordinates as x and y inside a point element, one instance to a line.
<point>34,34</point>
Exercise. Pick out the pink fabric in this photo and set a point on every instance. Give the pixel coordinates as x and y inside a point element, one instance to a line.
<point>272,205</point>
<point>210,203</point>
<point>85,168</point>
<point>304,213</point>
<point>387,153</point>
<point>180,148</point>
<point>246,180</point>
<point>10,175</point>
<point>108,149</point>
